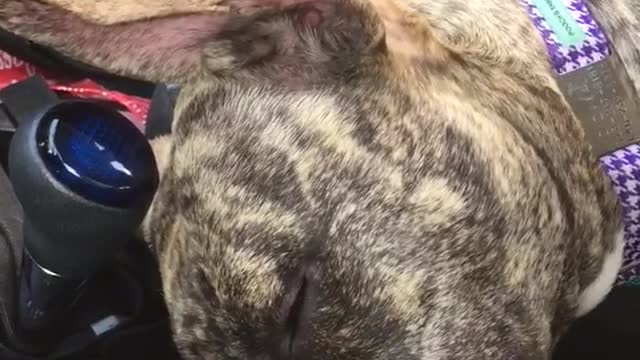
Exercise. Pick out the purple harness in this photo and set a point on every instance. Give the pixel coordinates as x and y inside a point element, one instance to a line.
<point>575,41</point>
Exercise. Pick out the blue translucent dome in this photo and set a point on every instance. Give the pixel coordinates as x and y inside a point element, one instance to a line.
<point>98,154</point>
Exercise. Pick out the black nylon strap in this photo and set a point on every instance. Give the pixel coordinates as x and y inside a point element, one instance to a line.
<point>160,116</point>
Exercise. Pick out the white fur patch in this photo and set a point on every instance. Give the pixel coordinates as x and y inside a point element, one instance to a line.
<point>602,285</point>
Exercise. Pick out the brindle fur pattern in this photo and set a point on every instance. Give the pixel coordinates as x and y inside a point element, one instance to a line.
<point>417,170</point>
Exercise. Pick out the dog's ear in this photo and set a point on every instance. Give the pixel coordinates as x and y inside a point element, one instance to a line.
<point>283,35</point>
<point>297,44</point>
<point>311,40</point>
<point>342,26</point>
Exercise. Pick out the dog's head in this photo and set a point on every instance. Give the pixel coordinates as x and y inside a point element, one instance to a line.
<point>340,184</point>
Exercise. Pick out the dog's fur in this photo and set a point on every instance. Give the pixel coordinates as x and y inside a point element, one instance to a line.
<point>365,179</point>
<point>108,12</point>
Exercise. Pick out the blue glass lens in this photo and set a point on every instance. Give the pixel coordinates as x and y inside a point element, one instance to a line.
<point>97,153</point>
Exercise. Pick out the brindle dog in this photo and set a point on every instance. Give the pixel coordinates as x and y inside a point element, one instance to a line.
<point>365,179</point>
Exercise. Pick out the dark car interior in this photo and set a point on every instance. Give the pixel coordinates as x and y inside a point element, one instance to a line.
<point>128,292</point>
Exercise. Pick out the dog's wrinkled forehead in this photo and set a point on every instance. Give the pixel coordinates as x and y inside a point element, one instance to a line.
<point>309,205</point>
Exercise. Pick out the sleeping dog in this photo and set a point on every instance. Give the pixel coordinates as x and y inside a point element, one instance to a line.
<point>365,179</point>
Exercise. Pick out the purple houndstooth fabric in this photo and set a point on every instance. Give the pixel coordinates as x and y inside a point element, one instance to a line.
<point>567,59</point>
<point>623,167</point>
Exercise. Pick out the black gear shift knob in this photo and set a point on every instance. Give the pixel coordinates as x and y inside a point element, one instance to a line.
<point>85,177</point>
